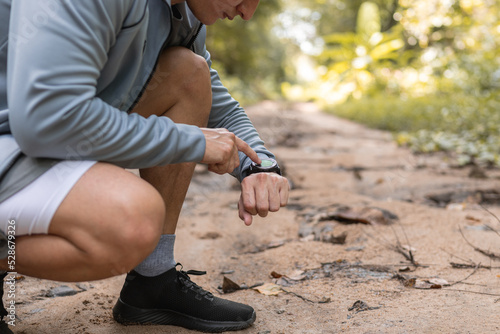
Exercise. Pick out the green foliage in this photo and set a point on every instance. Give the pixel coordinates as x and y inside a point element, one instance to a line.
<point>352,60</point>
<point>434,80</point>
<point>392,113</point>
<point>466,125</point>
<point>427,70</point>
<point>246,54</point>
<point>368,21</point>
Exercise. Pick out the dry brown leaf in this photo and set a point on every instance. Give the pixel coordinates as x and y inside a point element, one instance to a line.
<point>422,284</point>
<point>439,281</point>
<point>229,286</point>
<point>364,215</point>
<point>269,289</point>
<point>410,283</point>
<point>275,275</point>
<point>297,275</point>
<point>474,219</point>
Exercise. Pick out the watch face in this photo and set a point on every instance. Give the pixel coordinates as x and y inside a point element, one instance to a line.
<point>266,166</point>
<point>266,163</point>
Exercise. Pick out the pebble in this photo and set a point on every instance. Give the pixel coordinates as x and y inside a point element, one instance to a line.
<point>355,248</point>
<point>477,228</point>
<point>36,310</point>
<point>227,272</point>
<point>61,291</point>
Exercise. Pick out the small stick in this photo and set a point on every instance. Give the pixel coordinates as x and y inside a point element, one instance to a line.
<point>476,292</point>
<point>297,295</point>
<point>458,257</point>
<point>472,273</point>
<point>409,256</point>
<point>487,253</point>
<point>397,248</point>
<point>301,297</point>
<point>491,213</point>
<point>375,265</point>
<point>491,229</point>
<point>407,240</point>
<point>470,266</point>
<point>475,284</point>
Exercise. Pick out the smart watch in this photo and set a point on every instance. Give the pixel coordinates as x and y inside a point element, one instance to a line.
<point>267,165</point>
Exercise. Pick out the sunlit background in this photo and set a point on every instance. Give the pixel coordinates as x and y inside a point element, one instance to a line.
<point>427,70</point>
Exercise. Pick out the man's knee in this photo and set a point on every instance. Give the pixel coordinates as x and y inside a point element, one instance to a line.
<point>190,74</point>
<point>182,79</point>
<point>185,62</point>
<point>141,223</point>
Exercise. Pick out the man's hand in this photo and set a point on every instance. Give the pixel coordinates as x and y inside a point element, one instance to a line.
<point>221,151</point>
<point>261,193</point>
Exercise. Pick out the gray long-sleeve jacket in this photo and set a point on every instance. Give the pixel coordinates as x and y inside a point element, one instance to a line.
<point>70,70</point>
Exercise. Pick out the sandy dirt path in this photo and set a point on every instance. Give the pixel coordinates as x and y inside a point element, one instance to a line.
<point>362,285</point>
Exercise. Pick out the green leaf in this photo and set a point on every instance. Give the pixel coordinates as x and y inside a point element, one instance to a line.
<point>368,22</point>
<point>385,49</point>
<point>342,38</point>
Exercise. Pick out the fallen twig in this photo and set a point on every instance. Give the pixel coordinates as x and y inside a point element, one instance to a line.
<point>472,273</point>
<point>482,251</point>
<point>475,292</point>
<point>398,248</point>
<point>491,229</point>
<point>470,266</point>
<point>495,216</point>
<point>475,284</point>
<point>409,256</point>
<point>491,213</point>
<point>322,301</point>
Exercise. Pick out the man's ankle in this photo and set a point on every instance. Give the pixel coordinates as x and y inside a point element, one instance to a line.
<point>160,260</point>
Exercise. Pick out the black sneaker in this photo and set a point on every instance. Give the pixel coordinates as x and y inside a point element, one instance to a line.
<point>173,299</point>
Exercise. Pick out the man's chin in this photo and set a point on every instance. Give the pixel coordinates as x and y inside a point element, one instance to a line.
<point>209,21</point>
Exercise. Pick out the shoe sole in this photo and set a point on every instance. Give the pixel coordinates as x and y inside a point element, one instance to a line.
<point>129,315</point>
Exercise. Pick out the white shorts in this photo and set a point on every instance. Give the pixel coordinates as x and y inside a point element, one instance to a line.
<point>33,207</point>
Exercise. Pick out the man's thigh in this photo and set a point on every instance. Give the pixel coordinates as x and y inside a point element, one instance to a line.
<point>77,199</point>
<point>105,224</point>
<point>30,210</point>
<point>106,203</point>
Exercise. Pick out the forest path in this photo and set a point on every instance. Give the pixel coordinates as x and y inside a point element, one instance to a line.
<point>338,276</point>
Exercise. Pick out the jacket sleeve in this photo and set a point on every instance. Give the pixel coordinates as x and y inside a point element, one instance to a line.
<point>56,51</point>
<point>227,113</point>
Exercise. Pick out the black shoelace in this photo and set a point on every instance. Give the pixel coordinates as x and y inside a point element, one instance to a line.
<point>187,284</point>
